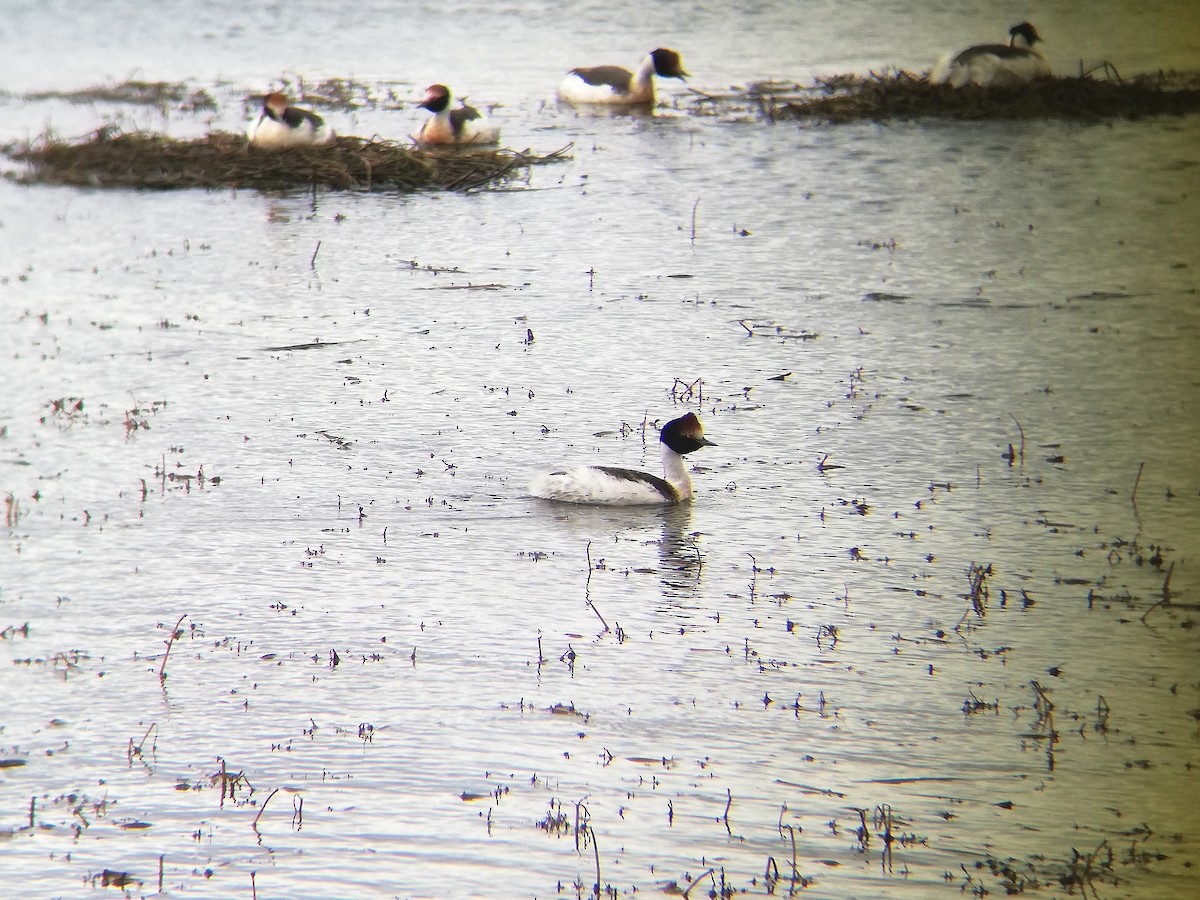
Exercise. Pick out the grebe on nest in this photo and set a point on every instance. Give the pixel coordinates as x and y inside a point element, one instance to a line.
<point>615,85</point>
<point>989,65</point>
<point>281,126</point>
<point>454,127</point>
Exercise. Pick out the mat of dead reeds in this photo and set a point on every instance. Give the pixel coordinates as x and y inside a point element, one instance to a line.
<point>905,95</point>
<point>111,158</point>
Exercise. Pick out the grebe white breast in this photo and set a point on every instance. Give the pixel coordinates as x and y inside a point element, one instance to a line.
<point>995,64</point>
<point>281,126</point>
<point>462,125</point>
<point>616,85</point>
<point>612,486</point>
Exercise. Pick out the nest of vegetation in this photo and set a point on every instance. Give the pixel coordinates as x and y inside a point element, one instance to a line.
<point>904,95</point>
<point>110,158</point>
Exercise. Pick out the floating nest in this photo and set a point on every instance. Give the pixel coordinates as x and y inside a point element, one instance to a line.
<point>904,95</point>
<point>110,158</point>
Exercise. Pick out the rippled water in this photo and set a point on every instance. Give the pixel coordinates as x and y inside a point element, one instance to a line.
<point>305,425</point>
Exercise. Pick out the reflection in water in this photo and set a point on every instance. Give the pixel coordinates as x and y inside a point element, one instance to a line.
<point>597,528</point>
<point>666,526</point>
<point>602,111</point>
<point>680,561</point>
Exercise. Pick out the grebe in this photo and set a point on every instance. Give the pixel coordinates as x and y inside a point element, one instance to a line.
<point>281,126</point>
<point>612,486</point>
<point>615,85</point>
<point>464,125</point>
<point>995,64</point>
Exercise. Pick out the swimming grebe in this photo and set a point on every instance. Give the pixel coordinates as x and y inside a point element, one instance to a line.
<point>611,486</point>
<point>464,125</point>
<point>615,85</point>
<point>281,126</point>
<point>995,64</point>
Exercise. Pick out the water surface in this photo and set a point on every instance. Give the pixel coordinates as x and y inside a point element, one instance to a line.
<point>305,426</point>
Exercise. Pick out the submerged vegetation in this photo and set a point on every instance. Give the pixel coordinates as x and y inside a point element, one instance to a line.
<point>162,94</point>
<point>110,158</point>
<point>905,95</point>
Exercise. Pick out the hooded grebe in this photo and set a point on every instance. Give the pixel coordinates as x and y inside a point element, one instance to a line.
<point>615,85</point>
<point>281,126</point>
<point>610,486</point>
<point>995,64</point>
<point>464,125</point>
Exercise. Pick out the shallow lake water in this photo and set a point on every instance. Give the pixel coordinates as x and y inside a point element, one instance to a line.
<point>927,630</point>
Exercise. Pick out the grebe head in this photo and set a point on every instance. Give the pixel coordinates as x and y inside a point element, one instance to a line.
<point>668,64</point>
<point>685,434</point>
<point>437,98</point>
<point>1023,35</point>
<point>276,102</point>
